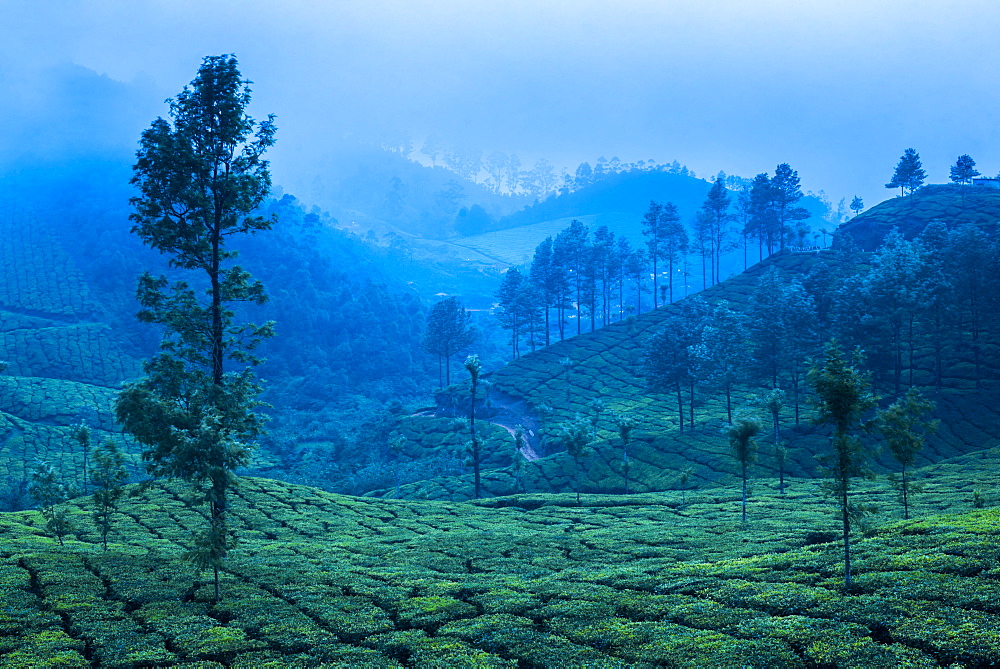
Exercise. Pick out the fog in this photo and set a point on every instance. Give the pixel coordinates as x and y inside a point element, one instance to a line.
<point>838,90</point>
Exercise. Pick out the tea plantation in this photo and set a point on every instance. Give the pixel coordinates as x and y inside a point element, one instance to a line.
<point>65,363</point>
<point>607,366</point>
<point>525,581</point>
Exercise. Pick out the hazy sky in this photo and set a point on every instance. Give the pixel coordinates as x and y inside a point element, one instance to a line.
<point>836,89</point>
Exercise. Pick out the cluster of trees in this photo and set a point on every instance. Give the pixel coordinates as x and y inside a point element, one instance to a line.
<point>503,173</point>
<point>938,293</point>
<point>604,277</point>
<point>910,175</point>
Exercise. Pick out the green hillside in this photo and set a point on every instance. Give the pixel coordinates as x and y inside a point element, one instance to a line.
<point>911,214</point>
<point>327,580</point>
<point>65,362</point>
<point>607,365</point>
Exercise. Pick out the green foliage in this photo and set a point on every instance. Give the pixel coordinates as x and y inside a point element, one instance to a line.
<point>322,578</point>
<point>843,397</point>
<point>108,476</point>
<point>904,429</point>
<point>742,433</point>
<point>50,493</point>
<point>200,180</point>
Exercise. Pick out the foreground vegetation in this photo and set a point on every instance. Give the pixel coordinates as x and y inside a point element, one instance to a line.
<point>530,580</point>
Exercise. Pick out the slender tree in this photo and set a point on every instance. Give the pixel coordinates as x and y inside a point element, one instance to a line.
<point>843,398</point>
<point>904,429</point>
<point>200,178</point>
<point>109,476</point>
<point>652,229</point>
<point>575,436</point>
<point>742,432</point>
<point>50,493</point>
<point>718,222</point>
<point>625,424</point>
<point>721,353</point>
<point>473,366</point>
<point>449,331</point>
<point>673,244</point>
<point>773,401</point>
<point>82,435</point>
<point>785,194</point>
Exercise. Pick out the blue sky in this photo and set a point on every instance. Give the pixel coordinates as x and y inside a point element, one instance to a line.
<point>838,90</point>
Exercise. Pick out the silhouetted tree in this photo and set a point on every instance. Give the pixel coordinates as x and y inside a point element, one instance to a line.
<point>909,174</point>
<point>857,204</point>
<point>652,229</point>
<point>448,332</point>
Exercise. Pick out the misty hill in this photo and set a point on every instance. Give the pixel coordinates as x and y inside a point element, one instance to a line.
<point>643,581</point>
<point>607,365</point>
<point>955,205</point>
<point>628,193</point>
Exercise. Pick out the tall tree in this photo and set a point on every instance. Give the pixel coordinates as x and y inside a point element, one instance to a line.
<point>449,331</point>
<point>674,242</point>
<point>903,427</point>
<point>473,366</point>
<point>843,398</point>
<point>200,178</point>
<point>625,424</point>
<point>909,174</point>
<point>721,354</point>
<point>718,220</point>
<point>763,223</point>
<point>652,229</point>
<point>108,475</point>
<point>963,172</point>
<point>742,432</point>
<point>512,311</point>
<point>786,193</point>
<point>575,436</point>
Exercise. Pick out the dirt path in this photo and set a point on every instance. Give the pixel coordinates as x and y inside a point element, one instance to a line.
<point>509,415</point>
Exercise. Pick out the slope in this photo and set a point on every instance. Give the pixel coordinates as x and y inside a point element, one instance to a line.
<point>65,361</point>
<point>955,204</point>
<point>606,365</point>
<point>327,580</point>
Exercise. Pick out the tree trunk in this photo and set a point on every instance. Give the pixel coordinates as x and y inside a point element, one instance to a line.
<point>680,406</point>
<point>847,537</point>
<point>475,442</point>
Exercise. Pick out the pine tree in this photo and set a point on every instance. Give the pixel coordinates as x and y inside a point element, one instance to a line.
<point>909,174</point>
<point>786,193</point>
<point>963,172</point>
<point>200,178</point>
<point>674,242</point>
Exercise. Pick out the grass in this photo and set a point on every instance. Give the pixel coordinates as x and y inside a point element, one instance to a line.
<point>531,581</point>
